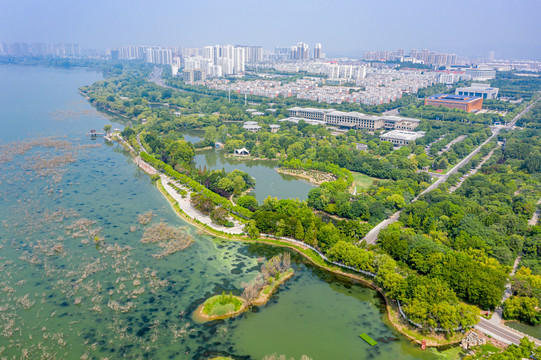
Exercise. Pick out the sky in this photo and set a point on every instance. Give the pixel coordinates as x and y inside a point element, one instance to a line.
<point>510,28</point>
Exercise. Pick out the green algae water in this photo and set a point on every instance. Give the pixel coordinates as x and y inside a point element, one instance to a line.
<point>77,283</point>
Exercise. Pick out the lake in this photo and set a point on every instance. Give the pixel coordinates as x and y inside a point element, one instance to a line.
<point>76,282</point>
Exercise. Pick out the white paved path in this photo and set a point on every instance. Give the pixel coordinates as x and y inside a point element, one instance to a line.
<point>184,204</point>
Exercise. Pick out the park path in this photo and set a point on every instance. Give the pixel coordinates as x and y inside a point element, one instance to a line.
<point>535,217</point>
<point>188,209</point>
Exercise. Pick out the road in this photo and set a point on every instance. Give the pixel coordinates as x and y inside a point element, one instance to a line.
<point>502,332</point>
<point>372,235</point>
<point>156,76</point>
<point>519,115</point>
<point>448,146</point>
<point>473,171</point>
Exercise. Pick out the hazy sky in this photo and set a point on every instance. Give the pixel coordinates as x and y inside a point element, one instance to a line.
<point>345,27</point>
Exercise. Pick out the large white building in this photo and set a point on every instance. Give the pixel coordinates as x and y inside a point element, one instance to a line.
<point>481,74</point>
<point>480,90</point>
<point>400,137</point>
<point>354,120</point>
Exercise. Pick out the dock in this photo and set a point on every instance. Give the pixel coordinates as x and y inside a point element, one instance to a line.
<point>368,339</point>
<point>94,133</point>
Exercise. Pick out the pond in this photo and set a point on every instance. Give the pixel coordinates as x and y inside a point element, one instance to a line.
<point>268,182</point>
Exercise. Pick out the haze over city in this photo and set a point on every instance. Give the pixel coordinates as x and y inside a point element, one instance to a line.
<point>344,27</point>
<point>270,180</point>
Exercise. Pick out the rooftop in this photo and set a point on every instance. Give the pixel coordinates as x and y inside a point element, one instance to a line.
<point>308,121</point>
<point>403,135</point>
<point>477,87</point>
<point>454,98</point>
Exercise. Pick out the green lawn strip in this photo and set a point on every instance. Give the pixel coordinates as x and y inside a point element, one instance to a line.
<point>363,181</point>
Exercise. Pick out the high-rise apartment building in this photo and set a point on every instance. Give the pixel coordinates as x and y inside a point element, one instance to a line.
<point>317,51</point>
<point>230,59</point>
<point>300,51</point>
<point>40,49</point>
<point>252,54</point>
<point>158,55</point>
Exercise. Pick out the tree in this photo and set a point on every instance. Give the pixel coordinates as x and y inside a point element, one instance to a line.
<point>299,231</point>
<point>533,162</point>
<point>238,184</point>
<point>251,229</point>
<point>310,236</point>
<point>180,152</point>
<point>107,128</point>
<point>226,184</point>
<point>210,134</point>
<point>248,202</point>
<point>327,236</point>
<point>219,216</point>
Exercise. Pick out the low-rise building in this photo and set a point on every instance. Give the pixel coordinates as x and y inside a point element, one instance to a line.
<point>296,120</point>
<point>400,123</point>
<point>481,74</point>
<point>309,113</point>
<point>274,128</point>
<point>400,137</point>
<point>251,126</point>
<point>361,147</point>
<point>480,90</point>
<point>354,120</point>
<point>466,103</point>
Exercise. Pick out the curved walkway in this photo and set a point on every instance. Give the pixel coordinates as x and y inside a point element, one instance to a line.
<point>186,206</point>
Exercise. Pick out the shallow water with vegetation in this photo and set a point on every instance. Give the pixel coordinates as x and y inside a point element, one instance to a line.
<point>77,282</point>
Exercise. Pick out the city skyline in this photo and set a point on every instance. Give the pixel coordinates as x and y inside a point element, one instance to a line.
<point>468,29</point>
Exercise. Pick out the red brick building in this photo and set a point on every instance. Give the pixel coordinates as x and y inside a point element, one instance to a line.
<point>466,103</point>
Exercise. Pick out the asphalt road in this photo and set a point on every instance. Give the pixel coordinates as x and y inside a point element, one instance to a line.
<point>502,333</point>
<point>372,235</point>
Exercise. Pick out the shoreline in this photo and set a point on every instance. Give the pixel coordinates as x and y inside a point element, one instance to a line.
<point>394,321</point>
<point>303,174</point>
<point>200,317</point>
<point>314,260</point>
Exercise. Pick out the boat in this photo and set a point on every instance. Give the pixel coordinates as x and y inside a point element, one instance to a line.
<point>368,339</point>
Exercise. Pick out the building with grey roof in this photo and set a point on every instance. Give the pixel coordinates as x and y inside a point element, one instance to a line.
<point>401,138</point>
<point>479,90</point>
<point>355,120</point>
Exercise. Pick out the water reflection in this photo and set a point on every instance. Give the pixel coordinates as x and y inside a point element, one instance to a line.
<point>268,181</point>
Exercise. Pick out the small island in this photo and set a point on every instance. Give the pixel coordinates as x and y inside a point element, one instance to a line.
<point>273,273</point>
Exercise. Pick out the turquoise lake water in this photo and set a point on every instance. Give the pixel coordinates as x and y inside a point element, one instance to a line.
<point>65,296</point>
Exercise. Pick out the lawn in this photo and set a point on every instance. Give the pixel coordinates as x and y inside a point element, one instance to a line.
<point>221,305</point>
<point>362,181</point>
